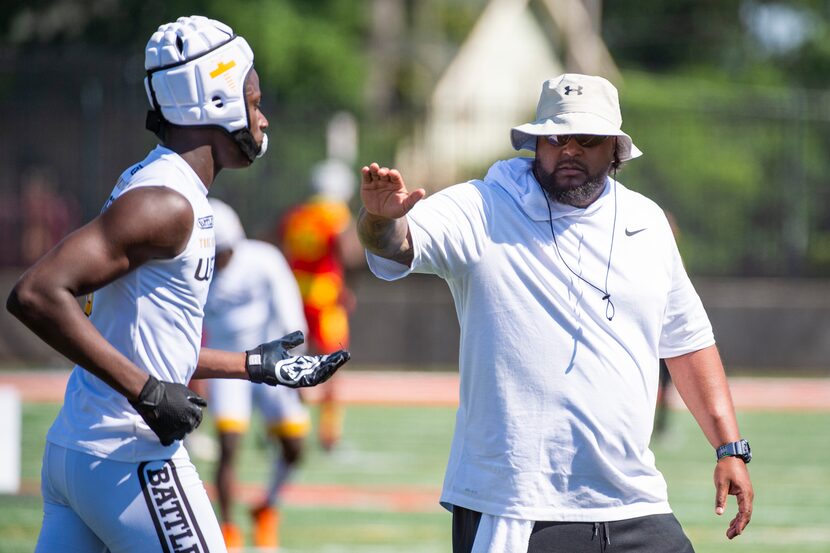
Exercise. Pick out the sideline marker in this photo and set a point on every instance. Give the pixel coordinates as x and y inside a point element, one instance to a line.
<point>9,440</point>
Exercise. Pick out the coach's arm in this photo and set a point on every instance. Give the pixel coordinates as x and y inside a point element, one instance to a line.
<point>701,382</point>
<point>381,224</point>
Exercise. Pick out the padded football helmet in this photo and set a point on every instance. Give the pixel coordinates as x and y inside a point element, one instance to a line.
<point>196,70</point>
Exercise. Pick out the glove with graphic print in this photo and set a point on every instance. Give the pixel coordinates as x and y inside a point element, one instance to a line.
<point>272,364</point>
<point>171,410</point>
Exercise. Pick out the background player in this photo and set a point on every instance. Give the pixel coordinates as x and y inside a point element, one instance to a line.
<point>319,241</point>
<point>253,295</point>
<point>115,476</point>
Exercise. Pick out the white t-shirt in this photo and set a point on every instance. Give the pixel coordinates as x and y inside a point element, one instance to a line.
<point>152,315</point>
<point>557,402</point>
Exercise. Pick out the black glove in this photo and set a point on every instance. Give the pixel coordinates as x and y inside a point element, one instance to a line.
<point>171,410</point>
<point>272,364</point>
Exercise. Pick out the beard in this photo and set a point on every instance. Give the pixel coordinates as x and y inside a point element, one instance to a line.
<point>580,194</point>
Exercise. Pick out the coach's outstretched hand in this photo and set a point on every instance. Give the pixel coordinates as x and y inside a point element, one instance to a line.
<point>170,410</point>
<point>272,364</point>
<point>384,192</point>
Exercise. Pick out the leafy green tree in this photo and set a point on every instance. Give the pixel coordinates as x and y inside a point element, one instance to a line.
<point>721,95</point>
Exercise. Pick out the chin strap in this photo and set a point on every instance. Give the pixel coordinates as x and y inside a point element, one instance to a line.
<point>245,140</point>
<point>153,122</point>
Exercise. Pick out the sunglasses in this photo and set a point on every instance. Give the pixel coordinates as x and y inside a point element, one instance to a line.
<point>584,140</point>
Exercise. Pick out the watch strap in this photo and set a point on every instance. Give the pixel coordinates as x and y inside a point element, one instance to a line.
<point>735,449</point>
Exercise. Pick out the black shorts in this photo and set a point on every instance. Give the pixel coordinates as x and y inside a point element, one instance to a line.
<point>648,534</point>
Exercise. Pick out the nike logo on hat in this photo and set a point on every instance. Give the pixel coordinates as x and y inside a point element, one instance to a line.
<point>633,232</point>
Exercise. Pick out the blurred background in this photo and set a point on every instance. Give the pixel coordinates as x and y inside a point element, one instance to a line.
<point>729,100</point>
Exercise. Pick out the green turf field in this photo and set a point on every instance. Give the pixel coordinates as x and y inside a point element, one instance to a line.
<point>407,447</point>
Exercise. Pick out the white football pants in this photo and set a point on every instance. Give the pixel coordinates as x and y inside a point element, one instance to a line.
<point>92,505</point>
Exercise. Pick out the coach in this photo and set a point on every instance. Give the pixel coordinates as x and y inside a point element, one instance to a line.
<point>569,288</point>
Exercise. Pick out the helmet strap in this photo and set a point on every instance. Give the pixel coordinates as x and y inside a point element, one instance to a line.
<point>155,123</point>
<point>245,140</point>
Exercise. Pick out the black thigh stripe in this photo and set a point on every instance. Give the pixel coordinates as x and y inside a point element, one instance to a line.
<point>176,526</point>
<point>189,509</point>
<point>151,507</point>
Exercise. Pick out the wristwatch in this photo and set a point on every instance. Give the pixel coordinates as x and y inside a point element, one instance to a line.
<point>735,449</point>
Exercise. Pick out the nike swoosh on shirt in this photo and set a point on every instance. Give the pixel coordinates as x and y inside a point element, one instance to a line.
<point>633,232</point>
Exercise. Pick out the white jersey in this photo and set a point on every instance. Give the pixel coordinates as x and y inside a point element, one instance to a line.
<point>153,316</point>
<point>557,402</point>
<point>253,300</point>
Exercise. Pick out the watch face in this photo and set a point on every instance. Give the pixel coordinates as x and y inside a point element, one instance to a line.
<point>742,450</point>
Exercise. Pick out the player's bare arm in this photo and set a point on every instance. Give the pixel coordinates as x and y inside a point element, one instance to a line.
<point>216,363</point>
<point>701,382</point>
<point>143,224</point>
<point>381,224</point>
<point>272,363</point>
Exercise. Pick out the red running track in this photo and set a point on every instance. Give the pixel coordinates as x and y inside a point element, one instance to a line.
<point>441,389</point>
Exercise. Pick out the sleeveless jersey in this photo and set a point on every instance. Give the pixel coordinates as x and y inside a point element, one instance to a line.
<point>153,316</point>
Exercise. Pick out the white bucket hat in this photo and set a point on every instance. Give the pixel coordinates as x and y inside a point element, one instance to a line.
<point>576,104</point>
